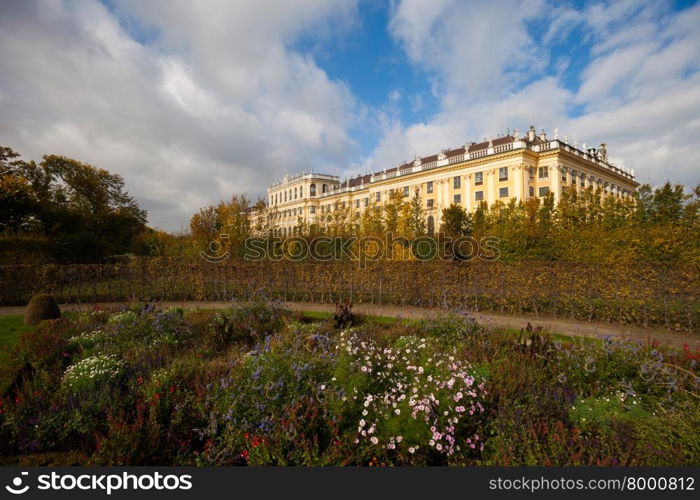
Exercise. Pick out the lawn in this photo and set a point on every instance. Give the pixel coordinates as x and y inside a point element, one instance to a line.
<point>11,328</point>
<point>260,385</point>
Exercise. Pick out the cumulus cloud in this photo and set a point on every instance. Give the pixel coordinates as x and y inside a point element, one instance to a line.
<point>189,102</point>
<point>636,89</point>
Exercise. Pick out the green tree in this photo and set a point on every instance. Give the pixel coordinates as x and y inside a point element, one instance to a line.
<point>456,221</point>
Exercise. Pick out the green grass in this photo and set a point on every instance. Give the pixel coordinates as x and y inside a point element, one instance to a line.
<point>11,327</point>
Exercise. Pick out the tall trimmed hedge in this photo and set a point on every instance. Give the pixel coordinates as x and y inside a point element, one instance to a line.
<point>641,295</point>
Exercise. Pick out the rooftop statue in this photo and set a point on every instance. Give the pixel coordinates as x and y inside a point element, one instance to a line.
<point>603,152</point>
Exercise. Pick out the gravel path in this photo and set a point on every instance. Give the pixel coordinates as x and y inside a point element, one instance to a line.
<point>556,325</point>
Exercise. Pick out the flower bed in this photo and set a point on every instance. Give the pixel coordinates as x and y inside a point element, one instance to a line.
<point>260,385</point>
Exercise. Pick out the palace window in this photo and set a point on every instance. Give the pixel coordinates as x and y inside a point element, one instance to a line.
<point>431,225</point>
<point>456,182</point>
<point>457,199</point>
<point>366,201</point>
<point>429,187</point>
<point>583,180</point>
<point>343,204</point>
<point>543,173</point>
<point>357,203</point>
<point>532,191</point>
<point>503,174</point>
<point>479,178</point>
<point>430,203</point>
<point>563,176</point>
<point>531,172</point>
<point>312,210</point>
<point>503,192</point>
<point>544,191</point>
<point>478,195</point>
<point>324,188</point>
<point>378,196</point>
<point>405,191</point>
<point>312,189</point>
<point>295,193</point>
<point>301,191</point>
<point>285,196</point>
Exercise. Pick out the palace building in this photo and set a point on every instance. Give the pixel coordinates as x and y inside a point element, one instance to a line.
<point>511,166</point>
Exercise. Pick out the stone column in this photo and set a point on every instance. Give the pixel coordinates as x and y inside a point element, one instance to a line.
<point>555,182</point>
<point>467,192</point>
<point>437,186</point>
<point>491,195</point>
<point>517,173</point>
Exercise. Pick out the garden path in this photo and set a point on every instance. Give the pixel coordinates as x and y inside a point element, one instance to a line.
<point>562,326</point>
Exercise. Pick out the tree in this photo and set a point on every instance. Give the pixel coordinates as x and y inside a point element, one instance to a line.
<point>456,221</point>
<point>84,211</point>
<point>99,217</point>
<point>416,217</point>
<point>17,203</point>
<point>392,211</point>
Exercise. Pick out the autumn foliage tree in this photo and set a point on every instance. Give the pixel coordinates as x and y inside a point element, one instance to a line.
<point>83,211</point>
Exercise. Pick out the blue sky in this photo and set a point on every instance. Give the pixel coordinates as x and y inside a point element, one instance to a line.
<point>192,102</point>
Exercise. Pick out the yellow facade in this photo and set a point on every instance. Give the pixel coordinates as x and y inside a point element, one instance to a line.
<point>505,168</point>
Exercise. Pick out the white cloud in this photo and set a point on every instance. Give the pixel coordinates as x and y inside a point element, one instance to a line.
<point>639,91</point>
<point>470,44</point>
<point>213,103</point>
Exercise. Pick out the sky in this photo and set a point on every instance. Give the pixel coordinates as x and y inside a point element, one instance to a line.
<point>192,102</point>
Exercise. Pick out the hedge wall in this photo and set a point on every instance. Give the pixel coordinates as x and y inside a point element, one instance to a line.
<point>642,295</point>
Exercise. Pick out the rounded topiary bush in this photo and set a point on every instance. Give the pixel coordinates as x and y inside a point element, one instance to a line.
<point>41,307</point>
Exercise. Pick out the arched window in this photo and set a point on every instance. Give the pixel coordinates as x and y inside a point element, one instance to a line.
<point>324,189</point>
<point>312,190</point>
<point>295,193</point>
<point>301,191</point>
<point>285,196</point>
<point>431,225</point>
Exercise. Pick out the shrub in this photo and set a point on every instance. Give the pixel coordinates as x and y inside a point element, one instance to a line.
<point>89,340</point>
<point>264,398</point>
<point>450,328</point>
<point>40,308</point>
<point>410,399</point>
<point>122,318</point>
<point>248,323</point>
<point>343,316</point>
<point>91,372</point>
